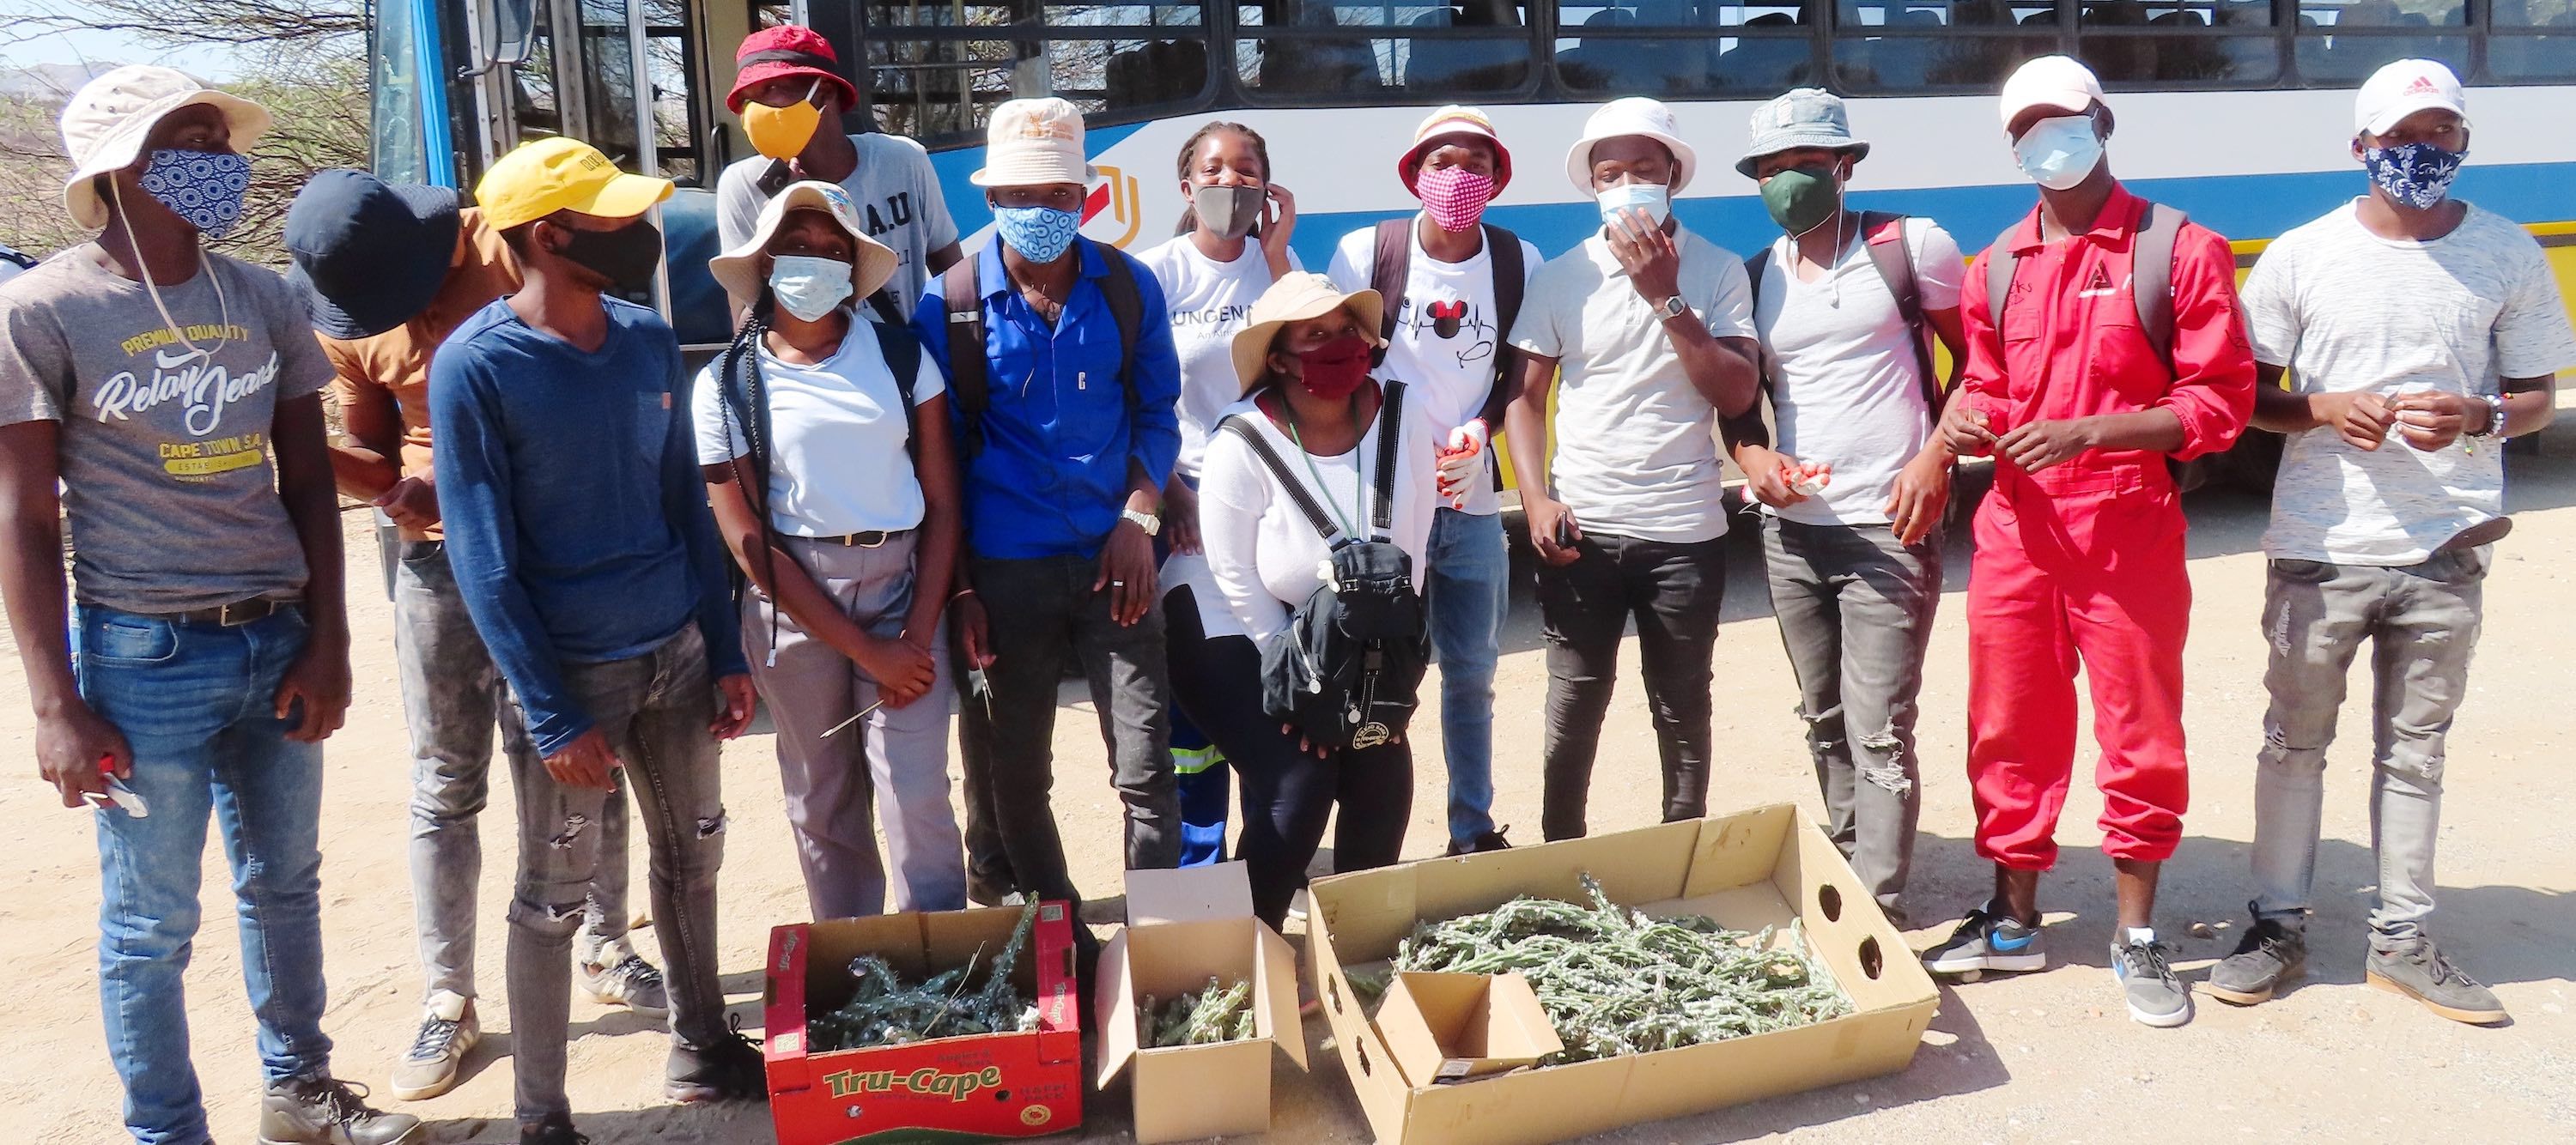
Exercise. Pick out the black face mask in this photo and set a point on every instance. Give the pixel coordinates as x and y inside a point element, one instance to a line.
<point>627,256</point>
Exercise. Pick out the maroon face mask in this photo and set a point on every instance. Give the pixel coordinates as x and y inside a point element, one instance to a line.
<point>1336,368</point>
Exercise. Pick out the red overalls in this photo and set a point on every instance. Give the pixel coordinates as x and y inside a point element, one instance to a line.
<point>2085,560</point>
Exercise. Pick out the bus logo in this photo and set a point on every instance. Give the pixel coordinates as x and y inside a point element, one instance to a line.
<point>1115,197</point>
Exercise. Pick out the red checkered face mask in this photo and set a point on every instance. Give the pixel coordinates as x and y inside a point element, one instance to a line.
<point>1454,197</point>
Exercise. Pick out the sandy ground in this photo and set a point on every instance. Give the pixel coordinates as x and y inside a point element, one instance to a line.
<point>2049,1056</point>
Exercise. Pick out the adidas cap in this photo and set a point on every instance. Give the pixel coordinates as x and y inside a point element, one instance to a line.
<point>2403,88</point>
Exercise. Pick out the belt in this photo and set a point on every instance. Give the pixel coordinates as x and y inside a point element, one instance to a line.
<point>234,615</point>
<point>873,538</point>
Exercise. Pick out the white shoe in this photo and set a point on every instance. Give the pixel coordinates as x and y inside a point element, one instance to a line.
<point>447,1033</point>
<point>1297,906</point>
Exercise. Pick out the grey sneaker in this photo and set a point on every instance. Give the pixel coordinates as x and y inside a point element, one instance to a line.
<point>556,1129</point>
<point>2419,971</point>
<point>1988,939</point>
<point>322,1110</point>
<point>447,1033</point>
<point>2272,953</point>
<point>630,982</point>
<point>2157,996</point>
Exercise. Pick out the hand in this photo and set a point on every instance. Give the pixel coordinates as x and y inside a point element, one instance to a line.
<point>1922,492</point>
<point>69,748</point>
<point>737,703</point>
<point>2035,446</point>
<point>1127,573</point>
<point>1278,221</point>
<point>412,503</point>
<point>1966,431</point>
<point>1181,518</point>
<point>903,670</point>
<point>967,623</point>
<point>2362,419</point>
<point>1653,263</point>
<point>319,678</point>
<point>1772,476</point>
<point>1459,465</point>
<point>588,761</point>
<point>1543,514</point>
<point>2432,420</point>
<point>1303,747</point>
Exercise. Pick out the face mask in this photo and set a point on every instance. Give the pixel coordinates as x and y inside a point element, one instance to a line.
<point>1802,198</point>
<point>1648,197</point>
<point>626,257</point>
<point>2058,153</point>
<point>203,187</point>
<point>1335,368</point>
<point>1455,197</point>
<point>782,132</point>
<point>1040,234</point>
<point>2416,174</point>
<point>1227,212</point>
<point>809,287</point>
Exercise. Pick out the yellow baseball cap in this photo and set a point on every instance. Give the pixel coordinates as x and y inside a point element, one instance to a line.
<point>557,174</point>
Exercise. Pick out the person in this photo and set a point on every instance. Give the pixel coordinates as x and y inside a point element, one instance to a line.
<point>1307,396</point>
<point>1653,328</point>
<point>848,547</point>
<point>1233,243</point>
<point>175,395</point>
<point>1065,460</point>
<point>388,271</point>
<point>788,89</point>
<point>2080,542</point>
<point>2392,313</point>
<point>596,579</point>
<point>1449,310</point>
<point>1846,304</point>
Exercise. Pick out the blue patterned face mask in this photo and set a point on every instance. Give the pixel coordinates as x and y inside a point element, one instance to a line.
<point>2416,174</point>
<point>203,187</point>
<point>1040,234</point>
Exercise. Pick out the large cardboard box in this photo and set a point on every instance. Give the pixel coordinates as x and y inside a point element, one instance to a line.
<point>1183,928</point>
<point>1755,868</point>
<point>982,1086</point>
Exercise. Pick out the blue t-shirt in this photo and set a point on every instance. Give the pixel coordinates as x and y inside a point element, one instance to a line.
<point>577,523</point>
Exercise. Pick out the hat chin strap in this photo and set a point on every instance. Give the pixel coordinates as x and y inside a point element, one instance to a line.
<point>223,306</point>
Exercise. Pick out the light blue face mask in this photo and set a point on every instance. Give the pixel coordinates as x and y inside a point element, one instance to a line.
<point>1652,198</point>
<point>2058,153</point>
<point>1040,234</point>
<point>809,287</point>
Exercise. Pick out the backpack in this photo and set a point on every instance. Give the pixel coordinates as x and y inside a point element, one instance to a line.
<point>1391,271</point>
<point>1348,671</point>
<point>1887,251</point>
<point>970,385</point>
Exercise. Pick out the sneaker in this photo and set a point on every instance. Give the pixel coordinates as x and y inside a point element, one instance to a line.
<point>447,1033</point>
<point>630,982</point>
<point>556,1129</point>
<point>729,1069</point>
<point>1297,906</point>
<point>2272,953</point>
<point>2157,996</point>
<point>1987,940</point>
<point>1489,841</point>
<point>987,892</point>
<point>323,1110</point>
<point>2419,971</point>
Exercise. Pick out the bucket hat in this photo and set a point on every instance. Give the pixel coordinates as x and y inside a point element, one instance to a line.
<point>107,119</point>
<point>1633,115</point>
<point>738,270</point>
<point>1452,122</point>
<point>1033,142</point>
<point>786,51</point>
<point>1804,117</point>
<point>369,254</point>
<point>1297,297</point>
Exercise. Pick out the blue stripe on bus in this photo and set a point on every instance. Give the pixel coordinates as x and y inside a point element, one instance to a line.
<point>966,201</point>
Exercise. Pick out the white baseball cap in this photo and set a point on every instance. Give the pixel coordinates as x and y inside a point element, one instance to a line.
<point>2050,81</point>
<point>1034,142</point>
<point>1633,115</point>
<point>2403,88</point>
<point>106,120</point>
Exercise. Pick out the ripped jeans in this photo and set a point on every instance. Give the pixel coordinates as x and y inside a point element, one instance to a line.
<point>2422,621</point>
<point>1855,609</point>
<point>655,710</point>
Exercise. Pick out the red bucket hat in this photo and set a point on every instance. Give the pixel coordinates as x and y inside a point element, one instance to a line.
<point>783,52</point>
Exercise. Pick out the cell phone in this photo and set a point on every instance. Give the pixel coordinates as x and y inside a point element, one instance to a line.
<point>1565,531</point>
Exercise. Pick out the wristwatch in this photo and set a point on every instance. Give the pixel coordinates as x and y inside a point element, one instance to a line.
<point>1671,308</point>
<point>1152,524</point>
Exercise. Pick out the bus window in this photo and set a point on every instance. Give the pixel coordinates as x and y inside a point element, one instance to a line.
<point>2342,41</point>
<point>2171,43</point>
<point>934,72</point>
<point>1906,45</point>
<point>1685,48</point>
<point>1472,49</point>
<point>2518,49</point>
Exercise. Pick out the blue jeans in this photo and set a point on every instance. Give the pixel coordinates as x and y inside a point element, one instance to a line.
<point>1469,582</point>
<point>194,701</point>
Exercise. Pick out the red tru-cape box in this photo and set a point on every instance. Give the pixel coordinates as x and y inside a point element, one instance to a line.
<point>974,1088</point>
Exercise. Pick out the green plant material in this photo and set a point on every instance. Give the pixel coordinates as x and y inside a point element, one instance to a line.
<point>1369,986</point>
<point>1616,981</point>
<point>1204,1017</point>
<point>885,1012</point>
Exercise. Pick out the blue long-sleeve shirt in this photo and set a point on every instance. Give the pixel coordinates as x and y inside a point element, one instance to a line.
<point>577,524</point>
<point>1060,432</point>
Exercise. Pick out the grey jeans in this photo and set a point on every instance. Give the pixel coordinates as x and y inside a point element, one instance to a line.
<point>2422,621</point>
<point>895,759</point>
<point>452,697</point>
<point>1855,609</point>
<point>656,710</point>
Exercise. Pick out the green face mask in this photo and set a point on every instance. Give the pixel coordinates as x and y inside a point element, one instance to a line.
<point>1802,198</point>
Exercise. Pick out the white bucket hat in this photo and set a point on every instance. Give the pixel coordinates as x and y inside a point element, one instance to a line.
<point>1634,115</point>
<point>106,120</point>
<point>1034,142</point>
<point>738,270</point>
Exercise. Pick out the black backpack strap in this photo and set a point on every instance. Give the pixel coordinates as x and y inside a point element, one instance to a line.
<point>1511,278</point>
<point>1885,233</point>
<point>888,310</point>
<point>969,374</point>
<point>1127,308</point>
<point>2151,256</point>
<point>1279,471</point>
<point>902,353</point>
<point>2001,262</point>
<point>1390,267</point>
<point>1390,436</point>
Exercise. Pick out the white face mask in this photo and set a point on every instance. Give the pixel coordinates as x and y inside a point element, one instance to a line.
<point>2059,153</point>
<point>1652,198</point>
<point>809,287</point>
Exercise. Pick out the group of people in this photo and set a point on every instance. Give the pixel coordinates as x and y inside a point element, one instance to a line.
<point>899,494</point>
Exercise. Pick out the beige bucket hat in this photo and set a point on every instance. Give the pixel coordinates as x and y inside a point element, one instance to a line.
<point>1032,143</point>
<point>107,119</point>
<point>738,270</point>
<point>1297,297</point>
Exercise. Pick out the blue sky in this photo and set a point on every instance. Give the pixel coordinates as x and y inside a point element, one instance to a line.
<point>74,46</point>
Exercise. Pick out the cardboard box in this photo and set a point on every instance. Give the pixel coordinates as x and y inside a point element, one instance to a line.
<point>1184,927</point>
<point>980,1086</point>
<point>1755,868</point>
<point>1444,1028</point>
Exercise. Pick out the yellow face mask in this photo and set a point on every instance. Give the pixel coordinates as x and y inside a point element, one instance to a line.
<point>783,132</point>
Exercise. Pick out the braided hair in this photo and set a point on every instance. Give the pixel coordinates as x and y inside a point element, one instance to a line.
<point>744,407</point>
<point>1190,153</point>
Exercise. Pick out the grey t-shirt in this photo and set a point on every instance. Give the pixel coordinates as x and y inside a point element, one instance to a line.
<point>164,452</point>
<point>895,189</point>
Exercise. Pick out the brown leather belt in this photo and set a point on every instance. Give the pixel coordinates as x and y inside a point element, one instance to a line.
<point>234,615</point>
<point>871,539</point>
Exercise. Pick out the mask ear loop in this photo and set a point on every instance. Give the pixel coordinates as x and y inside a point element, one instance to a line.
<point>223,307</point>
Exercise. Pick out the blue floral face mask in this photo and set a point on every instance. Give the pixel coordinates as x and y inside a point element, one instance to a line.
<point>1040,234</point>
<point>2416,174</point>
<point>203,187</point>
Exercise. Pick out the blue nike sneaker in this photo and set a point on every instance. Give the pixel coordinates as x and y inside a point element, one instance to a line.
<point>1988,939</point>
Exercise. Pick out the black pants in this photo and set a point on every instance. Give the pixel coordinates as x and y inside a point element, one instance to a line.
<point>1673,591</point>
<point>1287,793</point>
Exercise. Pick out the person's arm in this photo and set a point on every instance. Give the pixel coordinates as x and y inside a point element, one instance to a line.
<point>1719,366</point>
<point>684,502</point>
<point>1525,430</point>
<point>1233,492</point>
<point>72,741</point>
<point>1507,373</point>
<point>943,516</point>
<point>319,676</point>
<point>1968,417</point>
<point>1128,571</point>
<point>2212,395</point>
<point>368,461</point>
<point>944,257</point>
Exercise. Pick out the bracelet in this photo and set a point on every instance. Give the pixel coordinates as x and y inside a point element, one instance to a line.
<point>960,594</point>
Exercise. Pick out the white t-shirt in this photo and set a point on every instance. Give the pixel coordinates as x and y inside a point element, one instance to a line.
<point>836,456</point>
<point>1210,301</point>
<point>893,186</point>
<point>2347,310</point>
<point>1847,388</point>
<point>1446,333</point>
<point>1636,445</point>
<point>1263,556</point>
